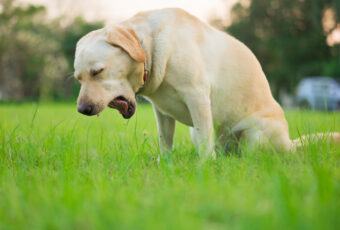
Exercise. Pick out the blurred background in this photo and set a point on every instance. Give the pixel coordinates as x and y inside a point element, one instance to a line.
<point>296,41</point>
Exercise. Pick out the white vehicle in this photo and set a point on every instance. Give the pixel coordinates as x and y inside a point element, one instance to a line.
<point>321,93</point>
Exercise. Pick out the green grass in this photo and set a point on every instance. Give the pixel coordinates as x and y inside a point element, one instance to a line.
<point>61,170</point>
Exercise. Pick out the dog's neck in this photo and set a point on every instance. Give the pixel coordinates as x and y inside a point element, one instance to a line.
<point>153,78</point>
<point>145,79</point>
<point>146,76</point>
<point>146,66</point>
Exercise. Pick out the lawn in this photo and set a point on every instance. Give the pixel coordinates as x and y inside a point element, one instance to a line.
<point>62,170</point>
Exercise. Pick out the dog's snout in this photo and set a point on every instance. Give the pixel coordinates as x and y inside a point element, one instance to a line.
<point>86,109</point>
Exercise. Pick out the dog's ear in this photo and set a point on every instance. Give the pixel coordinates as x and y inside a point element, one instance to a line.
<point>126,39</point>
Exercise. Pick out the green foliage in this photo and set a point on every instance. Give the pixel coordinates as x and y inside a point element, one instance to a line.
<point>62,170</point>
<point>288,37</point>
<point>36,52</point>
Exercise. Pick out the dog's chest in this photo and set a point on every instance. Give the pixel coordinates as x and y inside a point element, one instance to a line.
<point>168,101</point>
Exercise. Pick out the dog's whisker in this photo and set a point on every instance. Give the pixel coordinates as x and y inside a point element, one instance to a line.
<point>69,76</point>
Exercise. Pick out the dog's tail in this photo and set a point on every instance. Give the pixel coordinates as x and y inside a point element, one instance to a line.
<point>327,137</point>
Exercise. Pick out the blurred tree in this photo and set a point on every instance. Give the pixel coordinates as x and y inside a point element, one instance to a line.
<point>36,53</point>
<point>30,57</point>
<point>289,37</point>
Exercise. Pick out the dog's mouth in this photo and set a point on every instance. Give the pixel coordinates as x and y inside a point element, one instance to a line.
<point>125,107</point>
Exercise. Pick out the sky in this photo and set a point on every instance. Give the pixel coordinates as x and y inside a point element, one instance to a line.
<point>112,11</point>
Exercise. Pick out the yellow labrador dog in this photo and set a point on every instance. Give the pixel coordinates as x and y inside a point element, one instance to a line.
<point>191,73</point>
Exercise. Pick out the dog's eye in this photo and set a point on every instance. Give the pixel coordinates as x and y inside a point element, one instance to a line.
<point>96,72</point>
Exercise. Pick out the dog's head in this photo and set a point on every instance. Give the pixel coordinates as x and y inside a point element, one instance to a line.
<point>109,64</point>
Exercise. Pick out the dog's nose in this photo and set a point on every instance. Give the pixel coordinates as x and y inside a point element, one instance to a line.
<point>86,109</point>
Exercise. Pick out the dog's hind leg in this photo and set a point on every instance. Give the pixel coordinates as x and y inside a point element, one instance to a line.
<point>265,132</point>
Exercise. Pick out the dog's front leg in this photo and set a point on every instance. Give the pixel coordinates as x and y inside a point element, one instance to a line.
<point>166,130</point>
<point>203,129</point>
